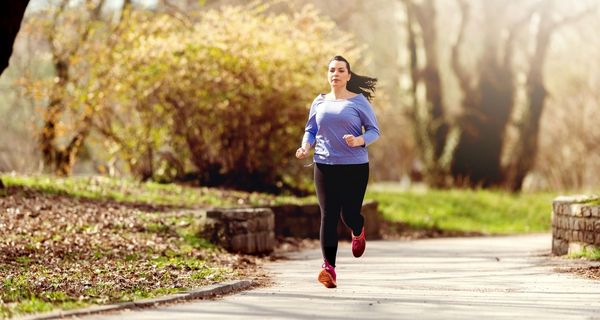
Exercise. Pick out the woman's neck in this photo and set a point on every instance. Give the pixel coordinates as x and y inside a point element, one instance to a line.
<point>339,93</point>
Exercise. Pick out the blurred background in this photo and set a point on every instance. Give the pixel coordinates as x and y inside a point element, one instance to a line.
<point>494,94</point>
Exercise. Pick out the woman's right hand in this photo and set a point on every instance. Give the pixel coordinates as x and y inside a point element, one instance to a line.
<point>302,153</point>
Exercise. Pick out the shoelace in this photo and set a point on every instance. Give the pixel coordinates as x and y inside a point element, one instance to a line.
<point>327,267</point>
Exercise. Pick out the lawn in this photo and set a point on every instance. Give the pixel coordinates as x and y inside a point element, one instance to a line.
<point>490,212</point>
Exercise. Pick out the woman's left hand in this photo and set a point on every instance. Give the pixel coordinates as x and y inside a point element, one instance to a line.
<point>353,141</point>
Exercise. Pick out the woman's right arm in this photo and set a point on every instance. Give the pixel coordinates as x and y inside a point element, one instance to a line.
<point>310,133</point>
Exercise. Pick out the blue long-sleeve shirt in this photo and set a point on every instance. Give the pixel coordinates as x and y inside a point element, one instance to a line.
<point>328,122</point>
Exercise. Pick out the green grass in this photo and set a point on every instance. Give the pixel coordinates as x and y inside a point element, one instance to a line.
<point>493,212</point>
<point>457,210</point>
<point>590,253</point>
<point>18,297</point>
<point>130,191</point>
<point>592,202</point>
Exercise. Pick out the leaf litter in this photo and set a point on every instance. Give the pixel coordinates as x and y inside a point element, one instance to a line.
<point>58,249</point>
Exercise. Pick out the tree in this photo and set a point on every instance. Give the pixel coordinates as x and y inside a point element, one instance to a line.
<point>429,120</point>
<point>61,158</point>
<point>471,152</point>
<point>71,31</point>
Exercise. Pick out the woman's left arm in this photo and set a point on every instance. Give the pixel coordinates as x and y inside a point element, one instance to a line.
<point>369,121</point>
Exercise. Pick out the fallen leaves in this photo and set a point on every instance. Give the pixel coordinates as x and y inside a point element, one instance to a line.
<point>59,249</point>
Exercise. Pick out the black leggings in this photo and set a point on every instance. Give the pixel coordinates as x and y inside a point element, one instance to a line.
<point>340,189</point>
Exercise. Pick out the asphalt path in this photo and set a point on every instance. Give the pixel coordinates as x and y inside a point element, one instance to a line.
<point>509,277</point>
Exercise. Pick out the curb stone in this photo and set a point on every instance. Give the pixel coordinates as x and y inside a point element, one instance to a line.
<point>200,293</point>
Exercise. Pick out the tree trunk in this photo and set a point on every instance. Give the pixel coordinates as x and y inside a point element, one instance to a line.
<point>478,153</point>
<point>429,120</point>
<point>50,152</point>
<point>61,160</point>
<point>522,157</point>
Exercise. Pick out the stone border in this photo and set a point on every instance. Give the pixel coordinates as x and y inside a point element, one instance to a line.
<point>200,293</point>
<point>304,221</point>
<point>253,230</point>
<point>575,224</point>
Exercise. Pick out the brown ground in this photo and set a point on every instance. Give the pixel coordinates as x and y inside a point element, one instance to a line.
<point>60,248</point>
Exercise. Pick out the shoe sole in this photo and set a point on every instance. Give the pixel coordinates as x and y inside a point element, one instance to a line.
<point>326,279</point>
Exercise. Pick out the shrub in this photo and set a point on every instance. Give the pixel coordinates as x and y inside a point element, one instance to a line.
<point>225,98</point>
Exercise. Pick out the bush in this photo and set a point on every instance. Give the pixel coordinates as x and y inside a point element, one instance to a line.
<point>225,99</point>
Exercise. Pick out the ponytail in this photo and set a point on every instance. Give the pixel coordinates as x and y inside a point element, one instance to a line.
<point>359,84</point>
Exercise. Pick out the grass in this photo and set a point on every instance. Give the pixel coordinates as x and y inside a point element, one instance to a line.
<point>19,294</point>
<point>492,212</point>
<point>592,202</point>
<point>130,191</point>
<point>458,210</point>
<point>589,253</point>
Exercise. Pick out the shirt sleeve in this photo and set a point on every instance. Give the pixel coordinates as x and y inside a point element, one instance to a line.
<point>369,122</point>
<point>310,131</point>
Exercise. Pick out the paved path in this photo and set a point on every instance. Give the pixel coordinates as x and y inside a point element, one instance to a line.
<point>457,278</point>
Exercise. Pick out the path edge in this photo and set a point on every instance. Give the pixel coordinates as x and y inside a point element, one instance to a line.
<point>207,292</point>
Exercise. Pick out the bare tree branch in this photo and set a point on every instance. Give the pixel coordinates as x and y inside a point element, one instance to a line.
<point>463,78</point>
<point>50,32</point>
<point>575,17</point>
<point>513,31</point>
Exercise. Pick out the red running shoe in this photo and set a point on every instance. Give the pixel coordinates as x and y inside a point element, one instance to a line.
<point>359,243</point>
<point>327,275</point>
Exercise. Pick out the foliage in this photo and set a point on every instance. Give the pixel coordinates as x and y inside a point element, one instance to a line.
<point>467,210</point>
<point>226,97</point>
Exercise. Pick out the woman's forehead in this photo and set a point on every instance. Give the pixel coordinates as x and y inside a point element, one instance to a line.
<point>337,64</point>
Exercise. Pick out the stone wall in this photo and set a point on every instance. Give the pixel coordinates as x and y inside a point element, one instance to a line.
<point>575,224</point>
<point>304,221</point>
<point>246,230</point>
<point>253,230</point>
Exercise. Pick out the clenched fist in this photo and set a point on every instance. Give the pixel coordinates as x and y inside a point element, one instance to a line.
<point>353,141</point>
<point>302,153</point>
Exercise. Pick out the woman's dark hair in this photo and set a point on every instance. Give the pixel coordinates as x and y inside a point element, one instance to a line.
<point>358,83</point>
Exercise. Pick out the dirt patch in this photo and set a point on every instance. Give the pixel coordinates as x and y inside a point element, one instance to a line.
<point>580,267</point>
<point>592,272</point>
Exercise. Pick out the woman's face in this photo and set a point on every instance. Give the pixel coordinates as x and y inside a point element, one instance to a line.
<point>338,74</point>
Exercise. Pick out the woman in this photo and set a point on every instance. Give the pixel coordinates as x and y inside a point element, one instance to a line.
<point>335,128</point>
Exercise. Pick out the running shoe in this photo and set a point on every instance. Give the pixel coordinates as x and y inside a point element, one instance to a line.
<point>327,275</point>
<point>359,243</point>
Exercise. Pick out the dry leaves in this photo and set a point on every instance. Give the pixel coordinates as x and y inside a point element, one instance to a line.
<point>59,249</point>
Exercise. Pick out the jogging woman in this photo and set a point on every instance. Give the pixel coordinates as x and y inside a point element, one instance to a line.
<point>341,124</point>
